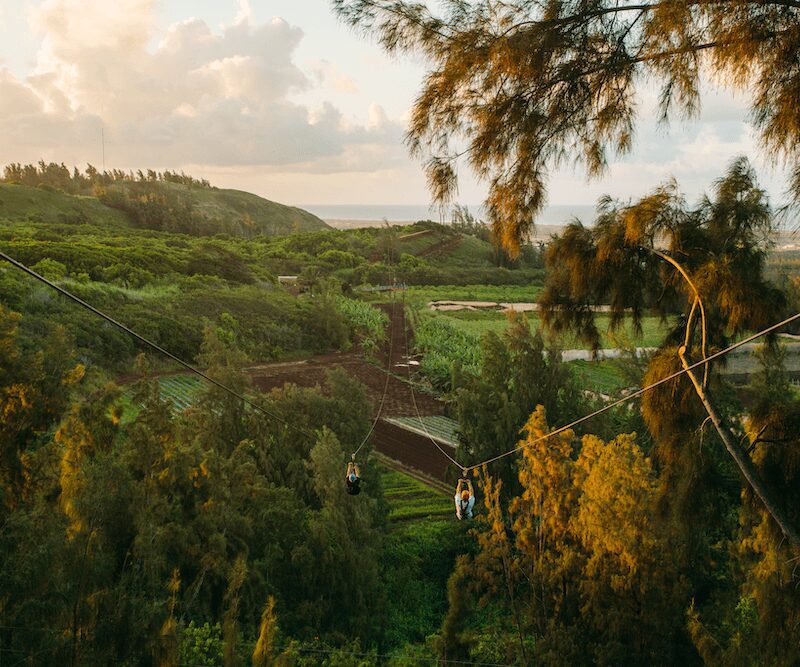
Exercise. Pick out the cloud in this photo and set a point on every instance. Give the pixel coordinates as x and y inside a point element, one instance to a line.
<point>245,12</point>
<point>184,95</point>
<point>327,74</point>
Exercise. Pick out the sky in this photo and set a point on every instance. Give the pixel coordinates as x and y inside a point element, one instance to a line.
<point>279,98</point>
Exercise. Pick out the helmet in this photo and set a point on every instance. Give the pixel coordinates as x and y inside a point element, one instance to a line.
<point>353,477</point>
<point>465,496</point>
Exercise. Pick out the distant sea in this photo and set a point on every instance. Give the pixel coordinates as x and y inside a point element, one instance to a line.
<point>552,215</point>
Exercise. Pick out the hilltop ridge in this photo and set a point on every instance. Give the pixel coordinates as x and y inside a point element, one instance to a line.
<point>159,201</point>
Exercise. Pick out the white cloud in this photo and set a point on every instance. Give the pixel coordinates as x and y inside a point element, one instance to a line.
<point>245,12</point>
<point>188,95</point>
<point>328,75</point>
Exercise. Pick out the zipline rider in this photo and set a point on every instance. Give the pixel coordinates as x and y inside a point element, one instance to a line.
<point>353,478</point>
<point>464,498</point>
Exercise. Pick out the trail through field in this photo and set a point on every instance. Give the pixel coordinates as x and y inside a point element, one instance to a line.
<point>410,449</point>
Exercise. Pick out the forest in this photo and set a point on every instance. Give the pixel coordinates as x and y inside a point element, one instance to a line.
<point>635,501</point>
<point>134,532</point>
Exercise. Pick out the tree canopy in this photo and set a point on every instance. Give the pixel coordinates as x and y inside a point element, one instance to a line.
<point>520,88</point>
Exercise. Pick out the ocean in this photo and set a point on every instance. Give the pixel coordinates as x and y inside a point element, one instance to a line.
<point>552,215</point>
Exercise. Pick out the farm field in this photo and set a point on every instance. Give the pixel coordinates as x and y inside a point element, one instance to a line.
<point>602,376</point>
<point>437,426</point>
<point>411,500</point>
<point>477,323</point>
<point>422,294</point>
<point>179,389</point>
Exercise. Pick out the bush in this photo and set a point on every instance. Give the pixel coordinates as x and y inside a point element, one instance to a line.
<point>50,269</point>
<point>201,645</point>
<point>366,322</point>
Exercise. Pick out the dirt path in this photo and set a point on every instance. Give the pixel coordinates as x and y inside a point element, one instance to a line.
<point>399,400</point>
<point>408,449</point>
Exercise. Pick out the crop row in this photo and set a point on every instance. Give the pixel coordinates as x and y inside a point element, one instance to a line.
<point>436,426</point>
<point>180,389</point>
<point>410,499</point>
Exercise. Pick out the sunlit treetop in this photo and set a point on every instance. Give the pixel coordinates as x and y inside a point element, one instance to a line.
<point>520,88</point>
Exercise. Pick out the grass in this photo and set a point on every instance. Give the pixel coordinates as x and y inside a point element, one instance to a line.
<point>602,376</point>
<point>496,293</point>
<point>471,252</point>
<point>477,323</point>
<point>411,500</point>
<point>21,202</point>
<point>228,209</point>
<point>417,244</point>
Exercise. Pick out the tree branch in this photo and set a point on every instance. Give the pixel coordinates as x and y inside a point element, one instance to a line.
<point>743,462</point>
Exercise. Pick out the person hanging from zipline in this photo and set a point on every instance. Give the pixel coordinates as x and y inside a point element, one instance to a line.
<point>353,478</point>
<point>465,497</point>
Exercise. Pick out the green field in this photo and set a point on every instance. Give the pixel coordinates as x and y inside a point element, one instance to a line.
<point>477,323</point>
<point>411,500</point>
<point>20,202</point>
<point>602,376</point>
<point>498,293</point>
<point>471,253</point>
<point>180,389</point>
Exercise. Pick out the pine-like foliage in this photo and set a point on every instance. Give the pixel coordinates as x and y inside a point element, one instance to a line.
<point>521,88</point>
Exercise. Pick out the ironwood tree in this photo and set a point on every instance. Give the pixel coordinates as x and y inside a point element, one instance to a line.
<point>520,87</point>
<point>706,263</point>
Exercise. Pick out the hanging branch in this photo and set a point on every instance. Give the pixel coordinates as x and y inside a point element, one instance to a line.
<point>742,460</point>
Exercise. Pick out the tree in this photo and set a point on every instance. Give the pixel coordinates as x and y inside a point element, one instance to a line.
<point>453,643</point>
<point>524,87</point>
<point>342,572</point>
<point>517,373</point>
<point>578,556</point>
<point>706,263</point>
<point>265,645</point>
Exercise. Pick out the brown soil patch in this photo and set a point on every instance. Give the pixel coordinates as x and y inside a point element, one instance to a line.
<point>408,448</point>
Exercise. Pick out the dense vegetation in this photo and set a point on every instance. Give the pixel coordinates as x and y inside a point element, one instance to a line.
<point>133,541</point>
<point>166,523</point>
<point>643,519</point>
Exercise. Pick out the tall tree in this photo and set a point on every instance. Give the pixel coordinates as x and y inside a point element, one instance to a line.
<point>517,374</point>
<point>521,87</point>
<point>707,264</point>
<point>579,557</point>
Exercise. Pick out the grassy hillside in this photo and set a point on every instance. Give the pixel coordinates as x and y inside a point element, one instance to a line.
<point>208,210</point>
<point>229,211</point>
<point>43,204</point>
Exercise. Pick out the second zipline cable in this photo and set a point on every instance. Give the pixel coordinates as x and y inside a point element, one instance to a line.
<point>388,376</point>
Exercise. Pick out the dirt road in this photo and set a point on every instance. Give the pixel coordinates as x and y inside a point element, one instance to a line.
<point>410,449</point>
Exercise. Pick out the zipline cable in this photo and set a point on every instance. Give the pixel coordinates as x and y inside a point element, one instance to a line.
<point>639,392</point>
<point>413,397</point>
<point>153,345</point>
<point>297,429</point>
<point>388,376</point>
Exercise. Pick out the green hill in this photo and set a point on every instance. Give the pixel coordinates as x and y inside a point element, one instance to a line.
<point>175,207</point>
<point>22,203</point>
<point>228,211</point>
